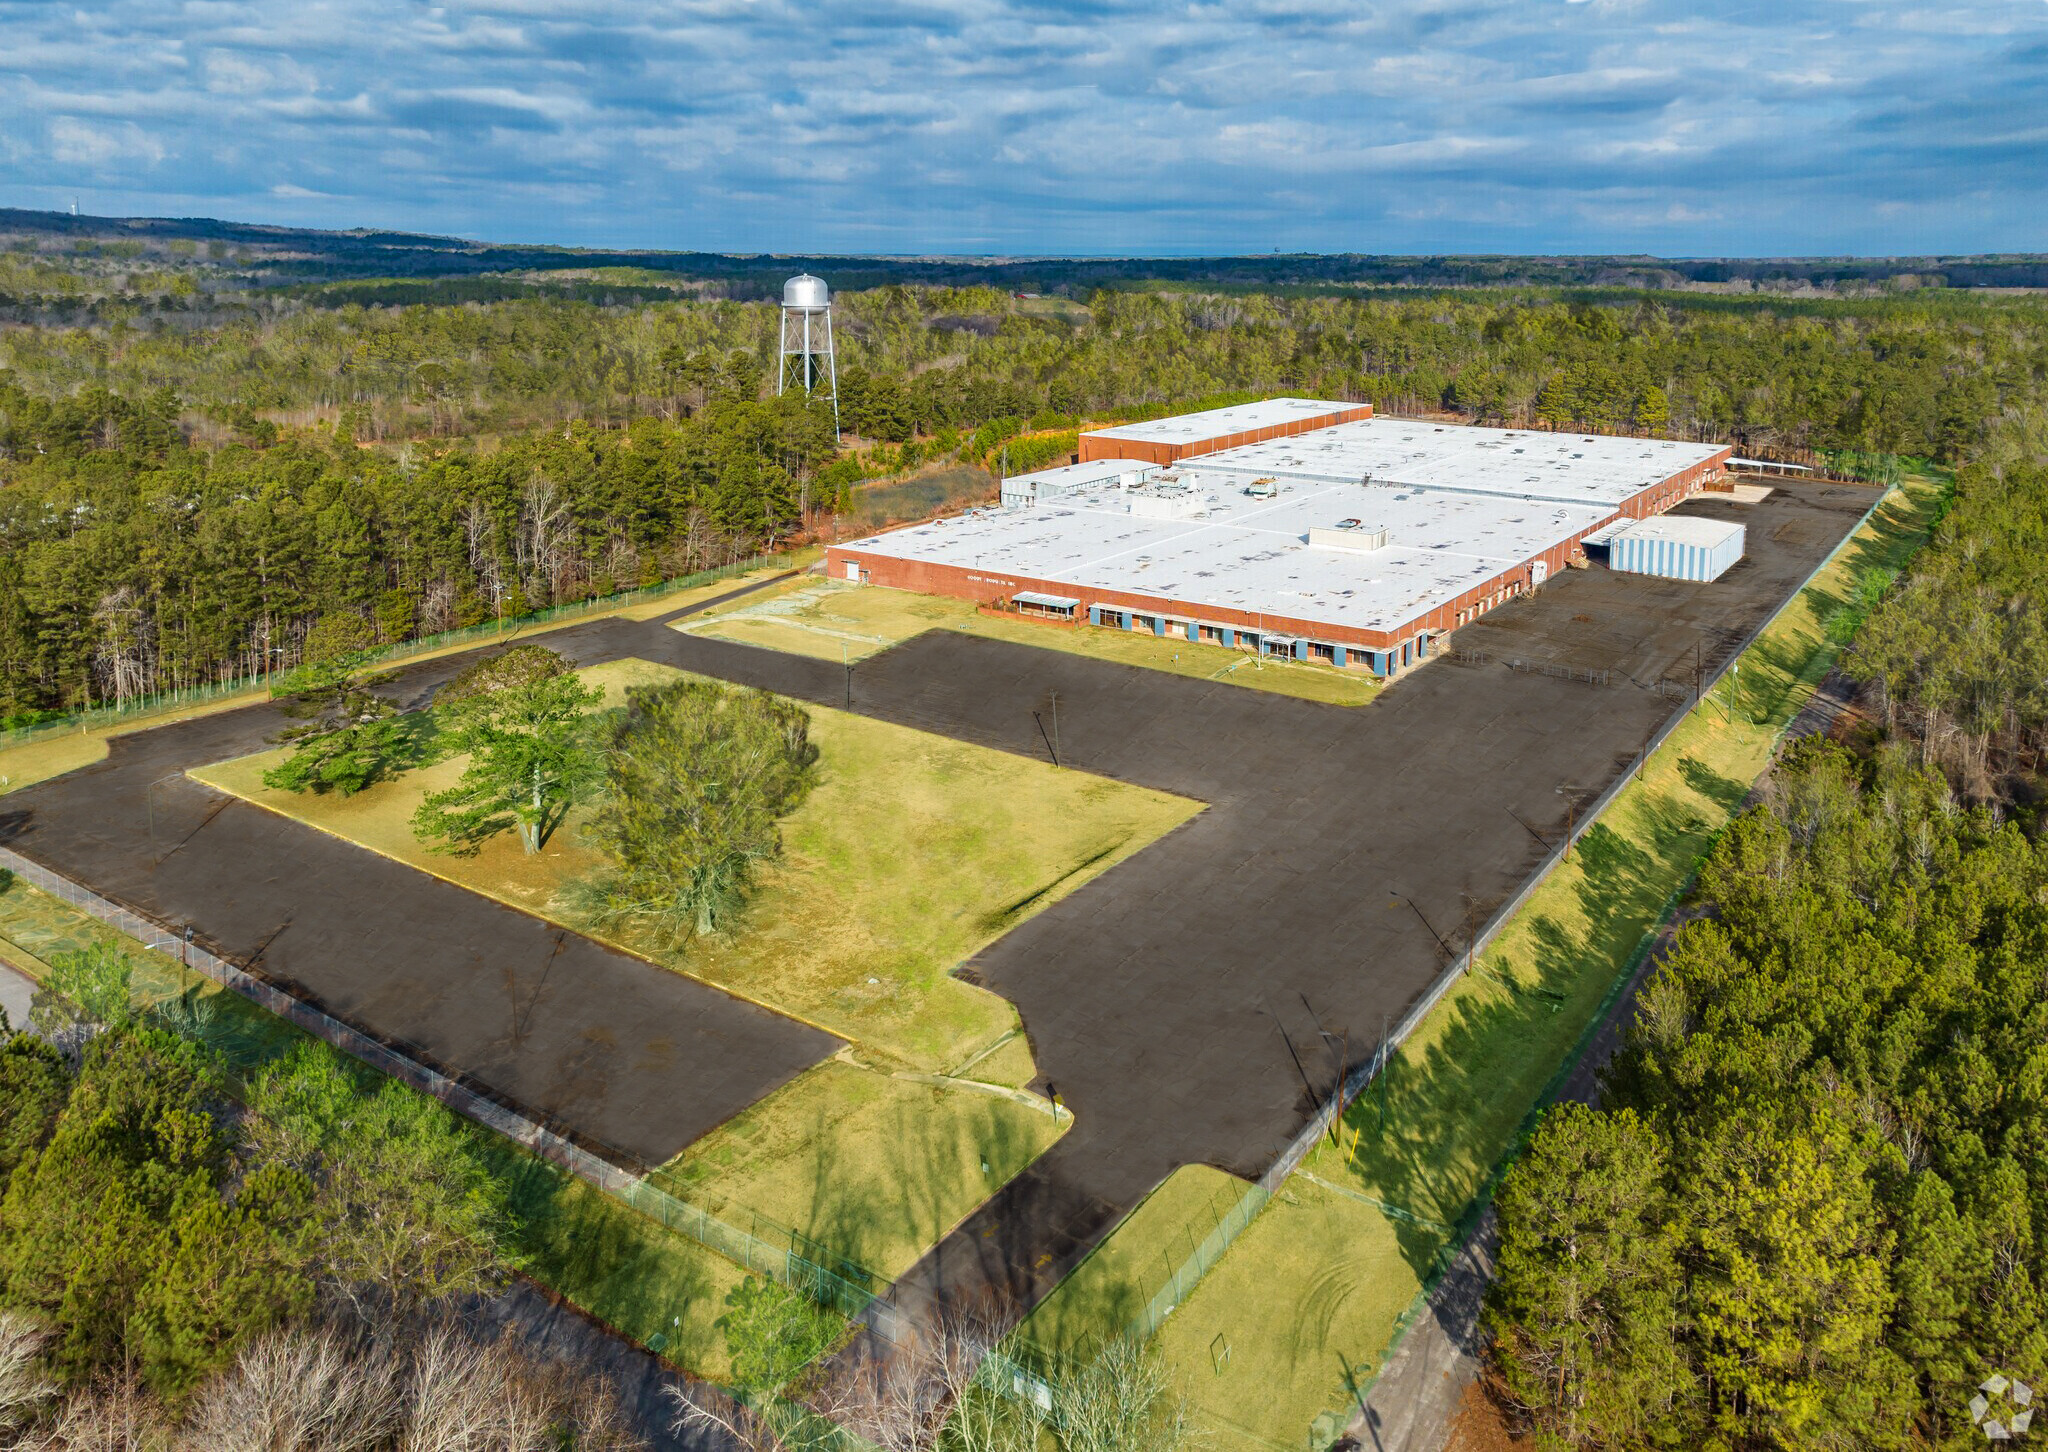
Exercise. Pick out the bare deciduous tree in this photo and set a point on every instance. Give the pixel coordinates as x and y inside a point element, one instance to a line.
<point>445,1391</point>
<point>923,1395</point>
<point>300,1389</point>
<point>704,1409</point>
<point>23,1386</point>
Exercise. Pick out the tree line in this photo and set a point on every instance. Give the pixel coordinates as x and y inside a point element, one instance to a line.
<point>181,505</point>
<point>1812,1209</point>
<point>194,1256</point>
<point>150,565</point>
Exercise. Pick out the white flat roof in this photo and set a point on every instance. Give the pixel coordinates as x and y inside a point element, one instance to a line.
<point>1215,423</point>
<point>1251,555</point>
<point>1584,469</point>
<point>1684,528</point>
<point>1075,476</point>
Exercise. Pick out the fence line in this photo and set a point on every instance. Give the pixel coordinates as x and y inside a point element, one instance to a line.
<point>780,1253</point>
<point>143,707</point>
<point>1190,1272</point>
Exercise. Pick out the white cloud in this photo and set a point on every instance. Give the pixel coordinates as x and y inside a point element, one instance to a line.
<point>75,143</point>
<point>1025,125</point>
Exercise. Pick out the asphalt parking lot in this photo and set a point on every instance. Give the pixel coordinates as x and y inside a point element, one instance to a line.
<point>1191,1005</point>
<point>625,1057</point>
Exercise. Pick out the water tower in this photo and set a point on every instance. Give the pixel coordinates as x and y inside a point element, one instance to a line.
<point>807,360</point>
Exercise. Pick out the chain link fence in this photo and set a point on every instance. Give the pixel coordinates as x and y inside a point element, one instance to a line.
<point>778,1252</point>
<point>1022,1366</point>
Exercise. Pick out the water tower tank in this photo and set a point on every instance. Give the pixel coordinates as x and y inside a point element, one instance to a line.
<point>805,293</point>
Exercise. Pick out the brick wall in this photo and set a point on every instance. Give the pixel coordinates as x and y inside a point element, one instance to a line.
<point>1096,446</point>
<point>987,586</point>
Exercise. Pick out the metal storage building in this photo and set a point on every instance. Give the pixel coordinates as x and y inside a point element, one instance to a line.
<point>1678,547</point>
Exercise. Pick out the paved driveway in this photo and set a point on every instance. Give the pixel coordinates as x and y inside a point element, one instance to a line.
<point>1192,1004</point>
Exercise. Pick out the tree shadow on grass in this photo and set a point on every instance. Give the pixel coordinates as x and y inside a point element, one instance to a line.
<point>887,1192</point>
<point>1101,1298</point>
<point>1723,791</point>
<point>630,1272</point>
<point>886,1170</point>
<point>1429,1135</point>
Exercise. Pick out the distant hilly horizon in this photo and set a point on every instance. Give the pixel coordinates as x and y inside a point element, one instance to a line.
<point>286,255</point>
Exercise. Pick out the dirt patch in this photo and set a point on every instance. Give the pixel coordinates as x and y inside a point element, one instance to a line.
<point>1480,1425</point>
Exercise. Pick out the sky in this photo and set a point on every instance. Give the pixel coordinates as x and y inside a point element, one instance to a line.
<point>1094,127</point>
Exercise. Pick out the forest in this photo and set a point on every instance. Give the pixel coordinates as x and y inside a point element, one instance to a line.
<point>191,480</point>
<point>1812,1207</point>
<point>195,1256</point>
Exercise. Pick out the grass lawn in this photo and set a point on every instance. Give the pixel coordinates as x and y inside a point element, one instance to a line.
<point>1113,1284</point>
<point>913,852</point>
<point>632,1273</point>
<point>833,620</point>
<point>35,761</point>
<point>1363,1225</point>
<point>1291,1320</point>
<point>877,1168</point>
<point>827,619</point>
<point>51,756</point>
<point>35,927</point>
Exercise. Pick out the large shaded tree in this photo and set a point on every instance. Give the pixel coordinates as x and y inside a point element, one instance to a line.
<point>697,778</point>
<point>522,720</point>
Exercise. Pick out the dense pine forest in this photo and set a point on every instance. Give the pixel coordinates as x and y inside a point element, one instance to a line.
<point>1812,1209</point>
<point>193,474</point>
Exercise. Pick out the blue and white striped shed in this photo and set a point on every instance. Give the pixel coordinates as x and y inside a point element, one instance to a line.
<point>1678,547</point>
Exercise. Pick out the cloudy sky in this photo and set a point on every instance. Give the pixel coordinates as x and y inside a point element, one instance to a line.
<point>1092,127</point>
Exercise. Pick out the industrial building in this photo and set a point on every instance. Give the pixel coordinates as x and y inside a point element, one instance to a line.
<point>1169,440</point>
<point>1336,536</point>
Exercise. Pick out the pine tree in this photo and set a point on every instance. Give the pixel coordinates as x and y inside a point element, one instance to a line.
<point>1584,1302</point>
<point>1653,411</point>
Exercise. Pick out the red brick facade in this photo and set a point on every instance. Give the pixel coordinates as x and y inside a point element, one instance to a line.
<point>1095,446</point>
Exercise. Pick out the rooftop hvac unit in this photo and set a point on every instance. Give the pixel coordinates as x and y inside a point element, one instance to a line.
<point>1170,502</point>
<point>1349,534</point>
